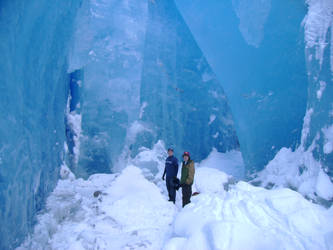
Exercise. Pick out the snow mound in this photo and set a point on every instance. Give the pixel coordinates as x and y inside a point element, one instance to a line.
<point>298,170</point>
<point>210,180</point>
<point>230,162</point>
<point>123,211</point>
<point>251,217</point>
<point>151,159</point>
<point>328,135</point>
<point>127,211</point>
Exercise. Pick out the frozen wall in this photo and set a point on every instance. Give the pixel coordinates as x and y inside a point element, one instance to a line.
<point>34,45</point>
<point>318,26</point>
<point>144,80</point>
<point>184,103</point>
<point>108,50</point>
<point>137,74</point>
<point>256,48</point>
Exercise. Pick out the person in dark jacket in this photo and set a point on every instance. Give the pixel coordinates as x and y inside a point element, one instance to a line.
<point>171,171</point>
<point>187,178</point>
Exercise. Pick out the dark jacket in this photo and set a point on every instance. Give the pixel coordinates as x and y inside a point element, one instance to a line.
<point>171,167</point>
<point>187,173</point>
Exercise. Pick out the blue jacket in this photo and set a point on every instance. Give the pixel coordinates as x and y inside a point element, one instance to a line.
<point>171,167</point>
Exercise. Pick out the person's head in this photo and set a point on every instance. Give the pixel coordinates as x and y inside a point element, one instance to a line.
<point>170,152</point>
<point>186,156</point>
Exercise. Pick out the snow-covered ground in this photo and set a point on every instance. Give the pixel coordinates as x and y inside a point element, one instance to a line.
<point>130,211</point>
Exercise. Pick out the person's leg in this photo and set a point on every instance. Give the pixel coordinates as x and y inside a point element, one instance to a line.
<point>187,192</point>
<point>168,187</point>
<point>172,192</point>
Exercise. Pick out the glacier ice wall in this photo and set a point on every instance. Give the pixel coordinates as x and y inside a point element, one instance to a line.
<point>318,27</point>
<point>144,79</point>
<point>108,47</point>
<point>136,75</point>
<point>185,104</point>
<point>256,48</point>
<point>309,168</point>
<point>34,45</point>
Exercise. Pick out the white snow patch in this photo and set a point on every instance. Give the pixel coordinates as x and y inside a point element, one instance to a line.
<point>296,169</point>
<point>211,119</point>
<point>152,159</point>
<point>176,243</point>
<point>74,121</point>
<point>130,212</point>
<point>230,162</point>
<point>324,187</point>
<point>317,22</point>
<point>207,77</point>
<point>328,136</point>
<point>249,217</point>
<point>66,173</point>
<point>214,93</point>
<point>321,89</point>
<point>142,109</point>
<point>210,180</point>
<point>306,126</point>
<point>65,147</point>
<point>135,129</point>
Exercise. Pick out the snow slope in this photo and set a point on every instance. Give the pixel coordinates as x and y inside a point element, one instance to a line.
<point>249,217</point>
<point>130,211</point>
<point>230,162</point>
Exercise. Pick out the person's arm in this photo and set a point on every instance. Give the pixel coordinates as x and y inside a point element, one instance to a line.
<point>164,172</point>
<point>190,177</point>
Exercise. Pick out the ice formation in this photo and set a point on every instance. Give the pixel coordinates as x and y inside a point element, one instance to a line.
<point>141,67</point>
<point>110,211</point>
<point>101,86</point>
<point>34,85</point>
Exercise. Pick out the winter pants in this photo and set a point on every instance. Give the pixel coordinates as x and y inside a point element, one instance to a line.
<point>187,193</point>
<point>171,188</point>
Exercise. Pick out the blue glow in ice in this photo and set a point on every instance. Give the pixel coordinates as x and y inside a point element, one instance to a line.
<point>257,52</point>
<point>34,46</point>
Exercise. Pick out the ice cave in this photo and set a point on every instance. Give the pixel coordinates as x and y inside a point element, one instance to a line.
<point>94,92</point>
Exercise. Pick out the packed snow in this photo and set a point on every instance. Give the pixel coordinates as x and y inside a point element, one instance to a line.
<point>230,162</point>
<point>317,24</point>
<point>248,217</point>
<point>129,210</point>
<point>298,169</point>
<point>321,89</point>
<point>328,134</point>
<point>112,211</point>
<point>74,121</point>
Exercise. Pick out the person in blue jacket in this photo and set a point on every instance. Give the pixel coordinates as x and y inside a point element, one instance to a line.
<point>171,171</point>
